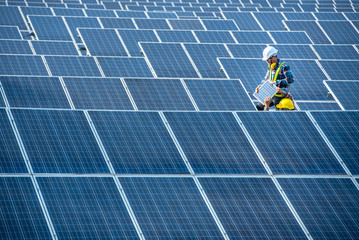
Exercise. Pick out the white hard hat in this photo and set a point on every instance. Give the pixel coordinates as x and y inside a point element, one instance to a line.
<point>269,52</point>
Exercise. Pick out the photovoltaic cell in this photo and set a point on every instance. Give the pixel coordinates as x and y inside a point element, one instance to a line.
<point>205,58</point>
<point>293,148</point>
<point>151,23</point>
<point>81,22</point>
<point>11,16</point>
<point>244,20</point>
<point>246,51</point>
<point>253,37</point>
<point>131,14</point>
<point>131,38</point>
<point>299,16</point>
<point>183,24</point>
<point>227,25</point>
<point>311,28</point>
<point>308,106</point>
<point>214,37</point>
<point>9,32</point>
<point>167,15</point>
<point>219,95</point>
<point>54,48</point>
<point>159,94</point>
<point>138,142</point>
<point>36,11</point>
<point>251,208</point>
<point>169,60</point>
<point>340,32</point>
<point>214,142</point>
<point>34,92</point>
<point>295,52</point>
<point>117,23</point>
<point>330,16</point>
<point>86,207</point>
<point>98,93</point>
<point>14,47</point>
<point>341,70</point>
<point>168,207</point>
<point>291,37</point>
<point>176,36</point>
<point>124,67</point>
<point>68,12</point>
<point>346,92</point>
<point>328,207</point>
<point>99,13</point>
<point>72,66</point>
<point>59,141</point>
<point>275,22</point>
<point>22,65</point>
<point>50,28</point>
<point>336,52</point>
<point>21,214</point>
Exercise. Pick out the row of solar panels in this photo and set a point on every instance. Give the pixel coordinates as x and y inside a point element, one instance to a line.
<point>163,208</point>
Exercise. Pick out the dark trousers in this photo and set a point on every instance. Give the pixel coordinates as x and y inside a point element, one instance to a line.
<point>273,102</point>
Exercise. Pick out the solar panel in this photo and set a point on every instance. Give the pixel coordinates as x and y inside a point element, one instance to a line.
<point>68,12</point>
<point>131,14</point>
<point>352,16</point>
<point>21,214</point>
<point>159,94</point>
<point>176,36</point>
<point>346,92</point>
<point>14,47</point>
<point>246,51</point>
<point>330,16</point>
<point>102,42</point>
<point>336,51</point>
<point>11,16</point>
<point>252,37</point>
<point>151,23</point>
<point>244,20</point>
<point>327,206</point>
<point>340,32</point>
<point>182,24</point>
<point>72,66</point>
<point>311,28</point>
<point>50,28</point>
<point>167,15</point>
<point>214,142</point>
<point>275,22</point>
<point>168,207</point>
<point>214,37</point>
<point>117,23</point>
<point>34,92</point>
<point>112,5</point>
<point>22,65</point>
<point>308,106</point>
<point>227,25</point>
<point>86,207</point>
<point>295,51</point>
<point>219,95</point>
<point>10,32</point>
<point>132,37</point>
<point>291,37</point>
<point>299,16</point>
<point>251,208</point>
<point>341,70</point>
<point>36,10</point>
<point>299,150</point>
<point>54,48</point>
<point>124,67</point>
<point>81,22</point>
<point>59,141</point>
<point>169,60</point>
<point>100,13</point>
<point>205,58</point>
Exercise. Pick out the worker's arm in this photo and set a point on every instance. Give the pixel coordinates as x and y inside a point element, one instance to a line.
<point>266,77</point>
<point>288,74</point>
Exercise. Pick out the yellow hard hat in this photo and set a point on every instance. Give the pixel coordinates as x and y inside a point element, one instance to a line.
<point>285,103</point>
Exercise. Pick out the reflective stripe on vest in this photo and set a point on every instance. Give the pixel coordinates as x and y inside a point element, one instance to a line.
<point>275,78</point>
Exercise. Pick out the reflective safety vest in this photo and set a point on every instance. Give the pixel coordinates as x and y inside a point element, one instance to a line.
<point>275,78</point>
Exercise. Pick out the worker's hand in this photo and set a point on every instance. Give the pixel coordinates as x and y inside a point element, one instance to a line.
<point>271,83</point>
<point>267,100</point>
<point>279,90</point>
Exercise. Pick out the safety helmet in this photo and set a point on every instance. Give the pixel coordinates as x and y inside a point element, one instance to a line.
<point>285,103</point>
<point>269,52</point>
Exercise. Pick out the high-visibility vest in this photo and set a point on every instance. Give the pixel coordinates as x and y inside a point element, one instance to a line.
<point>275,77</point>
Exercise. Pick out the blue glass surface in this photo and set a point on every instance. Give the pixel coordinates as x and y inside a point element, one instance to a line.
<point>59,141</point>
<point>176,36</point>
<point>290,143</point>
<point>244,20</point>
<point>86,207</point>
<point>54,48</point>
<point>131,38</point>
<point>34,92</point>
<point>112,5</point>
<point>170,208</point>
<point>11,16</point>
<point>214,142</point>
<point>346,92</point>
<point>22,65</point>
<point>50,28</point>
<point>138,142</point>
<point>253,37</point>
<point>291,37</point>
<point>251,208</point>
<point>304,106</point>
<point>340,32</point>
<point>220,25</point>
<point>328,207</point>
<point>124,67</point>
<point>68,12</point>
<point>81,22</point>
<point>36,11</point>
<point>246,51</point>
<point>336,51</point>
<point>159,94</point>
<point>117,23</point>
<point>214,37</point>
<point>21,214</point>
<point>330,16</point>
<point>341,70</point>
<point>186,24</point>
<point>169,60</point>
<point>205,58</point>
<point>311,28</point>
<point>14,47</point>
<point>299,16</point>
<point>295,52</point>
<point>167,15</point>
<point>102,42</point>
<point>100,13</point>
<point>219,95</point>
<point>131,14</point>
<point>8,32</point>
<point>98,93</point>
<point>275,22</point>
<point>72,66</point>
<point>151,23</point>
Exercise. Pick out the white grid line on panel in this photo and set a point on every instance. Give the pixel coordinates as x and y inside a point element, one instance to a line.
<point>204,26</point>
<point>334,96</point>
<point>85,13</point>
<point>4,95</point>
<point>88,53</point>
<point>315,52</point>
<point>169,24</point>
<point>323,70</point>
<point>114,11</point>
<point>46,65</point>
<point>99,66</point>
<point>234,38</point>
<point>123,43</point>
<point>222,68</point>
<point>248,94</point>
<point>129,94</point>
<point>67,93</point>
<point>195,36</point>
<point>189,95</point>
<point>321,28</point>
<point>23,18</point>
<point>148,61</point>
<point>157,36</point>
<point>271,37</point>
<point>260,25</point>
<point>31,47</point>
<point>68,29</point>
<point>229,51</point>
<point>191,60</point>
<point>32,27</point>
<point>99,22</point>
<point>134,22</point>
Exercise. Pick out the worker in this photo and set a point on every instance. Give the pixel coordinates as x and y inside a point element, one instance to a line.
<point>278,74</point>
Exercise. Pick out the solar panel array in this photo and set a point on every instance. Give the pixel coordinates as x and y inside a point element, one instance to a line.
<point>136,120</point>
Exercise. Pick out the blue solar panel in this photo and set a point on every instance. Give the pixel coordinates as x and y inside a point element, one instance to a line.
<point>34,92</point>
<point>176,36</point>
<point>291,37</point>
<point>102,42</point>
<point>251,208</point>
<point>81,22</point>
<point>214,142</point>
<point>342,130</point>
<point>98,93</point>
<point>330,105</point>
<point>341,70</point>
<point>36,11</point>
<point>346,92</point>
<point>295,147</point>
<point>330,16</point>
<point>59,142</point>
<point>167,15</point>
<point>132,37</point>
<point>72,66</point>
<point>14,47</point>
<point>244,20</point>
<point>186,24</point>
<point>169,60</point>
<point>151,23</point>
<point>159,94</point>
<point>124,67</point>
<point>352,16</point>
<point>54,48</point>
<point>275,22</point>
<point>295,51</point>
<point>22,65</point>
<point>112,5</point>
<point>252,37</point>
<point>246,51</point>
<point>86,207</point>
<point>336,51</point>
<point>50,28</point>
<point>340,32</point>
<point>11,16</point>
<point>131,14</point>
<point>21,214</point>
<point>100,13</point>
<point>9,32</point>
<point>68,12</point>
<point>220,25</point>
<point>205,58</point>
<point>311,28</point>
<point>170,208</point>
<point>214,37</point>
<point>299,16</point>
<point>328,207</point>
<point>117,23</point>
<point>138,142</point>
<point>219,95</point>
